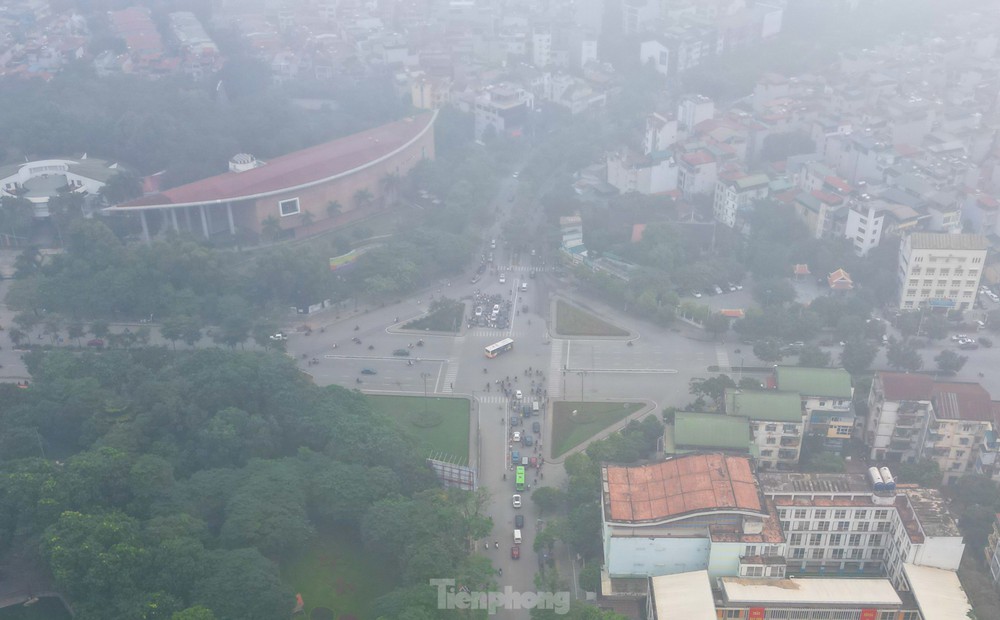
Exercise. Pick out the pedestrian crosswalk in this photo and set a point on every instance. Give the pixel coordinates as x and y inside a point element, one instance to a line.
<point>451,372</point>
<point>482,332</point>
<point>555,369</point>
<point>449,378</point>
<point>520,269</point>
<point>721,357</point>
<point>492,399</point>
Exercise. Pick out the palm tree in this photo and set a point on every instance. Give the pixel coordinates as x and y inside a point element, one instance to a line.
<point>363,198</point>
<point>307,218</point>
<point>333,208</point>
<point>270,227</point>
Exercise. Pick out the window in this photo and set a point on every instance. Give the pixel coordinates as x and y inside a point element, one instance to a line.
<point>839,514</point>
<point>862,526</point>
<point>772,440</point>
<point>928,282</point>
<point>663,58</point>
<point>942,283</point>
<point>837,554</point>
<point>823,526</point>
<point>750,550</point>
<point>802,525</point>
<point>815,539</point>
<point>798,553</point>
<point>754,571</point>
<point>964,441</point>
<point>875,540</point>
<point>835,539</point>
<point>854,540</point>
<point>977,259</point>
<point>959,454</point>
<point>843,526</point>
<point>819,514</point>
<point>856,554</point>
<point>790,428</point>
<point>945,271</point>
<point>800,513</point>
<point>770,428</point>
<point>956,283</point>
<point>288,207</point>
<point>795,540</point>
<point>877,554</point>
<point>816,554</point>
<point>918,259</point>
<point>860,514</point>
<point>881,514</point>
<point>782,514</point>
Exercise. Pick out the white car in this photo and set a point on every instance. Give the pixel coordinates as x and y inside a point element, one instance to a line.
<point>479,311</point>
<point>517,394</point>
<point>516,501</point>
<point>279,336</point>
<point>517,436</point>
<point>503,278</point>
<point>697,295</point>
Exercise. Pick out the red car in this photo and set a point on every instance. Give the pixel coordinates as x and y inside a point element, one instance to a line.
<point>515,552</point>
<point>534,462</point>
<point>96,342</point>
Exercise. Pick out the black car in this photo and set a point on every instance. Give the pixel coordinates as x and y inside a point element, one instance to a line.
<point>518,521</point>
<point>536,427</point>
<point>368,371</point>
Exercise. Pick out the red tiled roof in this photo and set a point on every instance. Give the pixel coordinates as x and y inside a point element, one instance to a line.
<point>305,167</point>
<point>827,197</point>
<point>801,269</point>
<point>839,183</point>
<point>904,386</point>
<point>698,158</point>
<point>686,484</point>
<point>962,401</point>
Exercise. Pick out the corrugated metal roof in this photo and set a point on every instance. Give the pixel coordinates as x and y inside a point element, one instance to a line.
<point>833,382</point>
<point>773,405</point>
<point>681,485</point>
<point>711,430</point>
<point>944,241</point>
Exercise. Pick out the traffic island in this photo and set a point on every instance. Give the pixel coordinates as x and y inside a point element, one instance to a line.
<point>445,316</point>
<point>574,321</point>
<point>576,422</point>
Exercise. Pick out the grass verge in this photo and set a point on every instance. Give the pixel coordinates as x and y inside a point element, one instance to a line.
<point>446,317</point>
<point>572,321</point>
<point>335,572</point>
<point>570,429</point>
<point>444,427</point>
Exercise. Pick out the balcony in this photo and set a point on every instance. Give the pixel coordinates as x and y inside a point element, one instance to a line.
<point>788,455</point>
<point>900,444</point>
<point>906,421</point>
<point>790,442</point>
<point>763,560</point>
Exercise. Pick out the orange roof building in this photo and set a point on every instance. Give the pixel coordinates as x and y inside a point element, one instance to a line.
<point>282,191</point>
<point>840,280</point>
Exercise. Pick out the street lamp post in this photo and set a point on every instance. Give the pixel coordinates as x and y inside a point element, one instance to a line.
<point>424,376</point>
<point>583,375</point>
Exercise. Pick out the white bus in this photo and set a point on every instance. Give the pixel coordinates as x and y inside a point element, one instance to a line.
<point>501,347</point>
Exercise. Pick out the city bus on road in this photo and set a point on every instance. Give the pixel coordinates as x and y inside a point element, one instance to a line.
<point>500,347</point>
<point>519,479</point>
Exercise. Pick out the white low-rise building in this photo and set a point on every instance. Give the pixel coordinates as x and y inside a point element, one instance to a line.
<point>938,270</point>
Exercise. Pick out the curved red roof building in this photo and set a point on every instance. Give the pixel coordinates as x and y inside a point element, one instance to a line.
<point>288,187</point>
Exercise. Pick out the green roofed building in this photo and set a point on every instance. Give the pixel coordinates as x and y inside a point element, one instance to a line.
<point>831,383</point>
<point>694,431</point>
<point>826,398</point>
<point>777,423</point>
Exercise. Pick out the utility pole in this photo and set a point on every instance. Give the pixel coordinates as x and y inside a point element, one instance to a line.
<point>424,376</point>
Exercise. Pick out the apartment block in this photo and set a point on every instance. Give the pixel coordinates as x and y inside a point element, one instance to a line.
<point>735,194</point>
<point>912,417</point>
<point>837,523</point>
<point>938,270</point>
<point>827,397</point>
<point>777,424</point>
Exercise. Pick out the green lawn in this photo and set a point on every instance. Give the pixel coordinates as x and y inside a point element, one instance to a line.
<point>444,430</point>
<point>591,418</point>
<point>335,572</point>
<point>447,319</point>
<point>572,321</point>
<point>45,609</point>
